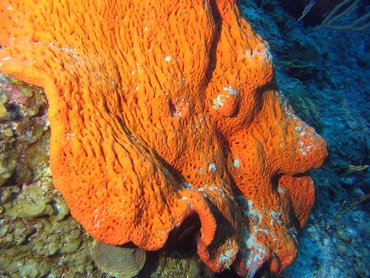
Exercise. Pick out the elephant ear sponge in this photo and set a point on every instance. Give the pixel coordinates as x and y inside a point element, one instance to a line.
<point>165,110</point>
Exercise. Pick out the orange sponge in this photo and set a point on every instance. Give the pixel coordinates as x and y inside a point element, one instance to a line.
<point>162,109</point>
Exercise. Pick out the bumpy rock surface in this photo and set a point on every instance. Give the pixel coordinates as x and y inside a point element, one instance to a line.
<point>162,111</point>
<point>37,235</point>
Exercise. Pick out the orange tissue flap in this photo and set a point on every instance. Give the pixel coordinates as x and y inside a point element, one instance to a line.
<point>164,109</point>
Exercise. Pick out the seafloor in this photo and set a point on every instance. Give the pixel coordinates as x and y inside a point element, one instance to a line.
<point>324,72</point>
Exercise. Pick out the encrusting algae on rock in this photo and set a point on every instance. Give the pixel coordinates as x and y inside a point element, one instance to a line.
<point>162,110</point>
<point>38,237</point>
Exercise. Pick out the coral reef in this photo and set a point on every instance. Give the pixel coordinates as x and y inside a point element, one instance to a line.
<point>38,237</point>
<point>160,112</point>
<point>169,266</point>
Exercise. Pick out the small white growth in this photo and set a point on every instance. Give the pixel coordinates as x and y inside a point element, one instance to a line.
<point>168,58</point>
<point>303,131</point>
<point>68,49</point>
<point>137,88</point>
<point>236,163</point>
<point>231,91</point>
<point>205,195</point>
<point>213,188</point>
<point>95,218</point>
<point>218,102</point>
<point>187,185</point>
<point>202,188</point>
<point>281,190</point>
<point>180,107</point>
<point>10,8</point>
<point>200,170</point>
<point>254,215</point>
<point>112,83</point>
<point>292,232</point>
<point>5,58</point>
<point>212,168</point>
<point>276,216</point>
<point>282,143</point>
<point>252,244</point>
<point>263,50</point>
<point>226,258</point>
<point>69,136</point>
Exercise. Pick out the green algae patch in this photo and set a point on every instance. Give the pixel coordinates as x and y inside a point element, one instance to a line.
<point>4,114</point>
<point>31,202</point>
<point>7,166</point>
